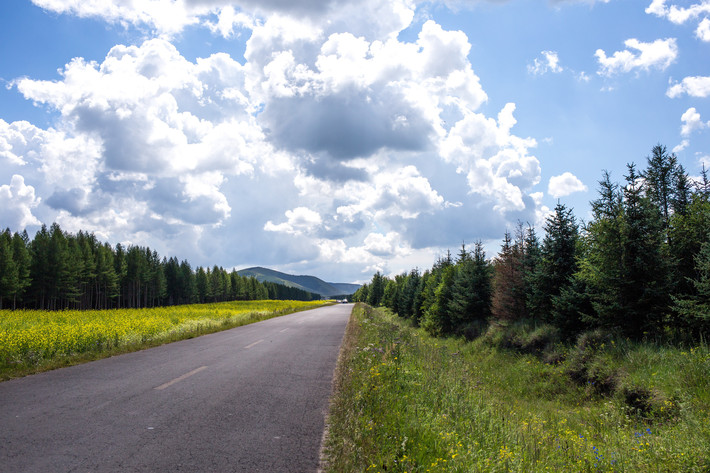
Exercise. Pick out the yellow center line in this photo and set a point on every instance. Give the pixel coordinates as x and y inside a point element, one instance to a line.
<point>180,378</point>
<point>255,343</point>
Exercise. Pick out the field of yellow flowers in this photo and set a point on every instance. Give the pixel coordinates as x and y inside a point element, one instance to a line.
<point>30,339</point>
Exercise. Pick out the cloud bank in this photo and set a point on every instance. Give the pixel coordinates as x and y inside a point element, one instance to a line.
<point>333,141</point>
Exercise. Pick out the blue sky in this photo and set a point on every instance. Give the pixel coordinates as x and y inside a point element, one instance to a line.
<point>337,137</point>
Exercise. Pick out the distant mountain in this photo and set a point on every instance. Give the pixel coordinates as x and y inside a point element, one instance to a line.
<point>307,283</point>
<point>345,288</point>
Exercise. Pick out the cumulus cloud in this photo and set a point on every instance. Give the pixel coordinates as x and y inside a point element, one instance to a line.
<point>680,15</point>
<point>362,97</point>
<point>498,164</point>
<point>149,123</point>
<point>639,56</point>
<point>299,220</point>
<point>692,122</point>
<point>703,30</point>
<point>343,209</point>
<point>16,203</point>
<point>167,18</point>
<point>564,185</point>
<point>694,86</point>
<point>548,61</point>
<point>164,16</point>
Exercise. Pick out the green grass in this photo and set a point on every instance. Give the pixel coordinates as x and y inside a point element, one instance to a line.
<point>32,341</point>
<point>406,402</point>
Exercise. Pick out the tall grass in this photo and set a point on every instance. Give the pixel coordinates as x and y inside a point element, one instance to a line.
<point>32,340</point>
<point>406,402</point>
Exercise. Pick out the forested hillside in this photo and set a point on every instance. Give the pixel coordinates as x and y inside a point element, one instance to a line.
<point>306,283</point>
<point>59,270</point>
<point>640,267</point>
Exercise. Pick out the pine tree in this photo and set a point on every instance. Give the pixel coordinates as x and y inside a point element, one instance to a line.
<point>9,280</point>
<point>471,290</point>
<point>437,318</point>
<point>408,295</point>
<point>602,266</point>
<point>694,310</point>
<point>531,266</point>
<point>645,284</point>
<point>660,178</point>
<point>559,259</point>
<point>22,258</point>
<point>377,290</point>
<point>508,298</point>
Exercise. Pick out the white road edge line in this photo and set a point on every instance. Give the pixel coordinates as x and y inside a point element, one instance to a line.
<point>282,331</point>
<point>180,378</point>
<point>253,344</point>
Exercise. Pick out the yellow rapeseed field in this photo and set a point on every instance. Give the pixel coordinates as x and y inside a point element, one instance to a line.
<point>29,337</point>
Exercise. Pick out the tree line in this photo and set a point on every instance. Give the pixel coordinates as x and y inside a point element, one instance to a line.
<point>640,267</point>
<point>58,270</point>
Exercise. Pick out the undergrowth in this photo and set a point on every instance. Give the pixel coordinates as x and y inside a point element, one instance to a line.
<point>515,399</point>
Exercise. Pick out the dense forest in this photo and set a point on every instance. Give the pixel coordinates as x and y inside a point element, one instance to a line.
<point>59,270</point>
<point>640,267</point>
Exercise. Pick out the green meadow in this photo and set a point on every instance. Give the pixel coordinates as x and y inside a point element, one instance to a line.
<point>505,402</point>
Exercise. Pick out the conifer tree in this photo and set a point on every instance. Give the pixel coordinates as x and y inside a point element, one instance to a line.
<point>8,269</point>
<point>694,310</point>
<point>645,284</point>
<point>559,260</point>
<point>377,289</point>
<point>508,298</point>
<point>22,258</point>
<point>602,267</point>
<point>471,290</point>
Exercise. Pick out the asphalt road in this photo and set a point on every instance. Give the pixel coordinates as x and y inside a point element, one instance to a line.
<point>249,399</point>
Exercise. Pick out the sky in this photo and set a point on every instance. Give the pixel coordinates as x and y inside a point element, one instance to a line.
<point>336,137</point>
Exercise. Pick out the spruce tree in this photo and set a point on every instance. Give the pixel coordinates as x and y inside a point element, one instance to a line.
<point>471,290</point>
<point>559,259</point>
<point>602,266</point>
<point>8,269</point>
<point>22,258</point>
<point>645,282</point>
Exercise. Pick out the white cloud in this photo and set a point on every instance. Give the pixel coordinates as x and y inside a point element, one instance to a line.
<point>583,77</point>
<point>676,14</point>
<point>148,122</point>
<point>548,62</point>
<point>564,185</point>
<point>228,19</point>
<point>703,30</point>
<point>167,18</point>
<point>299,221</point>
<point>681,146</point>
<point>360,97</point>
<point>382,245</point>
<point>695,86</point>
<point>657,55</point>
<point>680,15</point>
<point>497,164</point>
<point>692,122</point>
<point>16,203</point>
<point>164,16</point>
<point>15,140</point>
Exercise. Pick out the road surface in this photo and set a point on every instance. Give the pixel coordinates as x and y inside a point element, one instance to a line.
<point>249,399</point>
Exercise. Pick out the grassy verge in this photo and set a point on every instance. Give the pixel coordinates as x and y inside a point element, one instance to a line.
<point>35,341</point>
<point>406,402</point>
